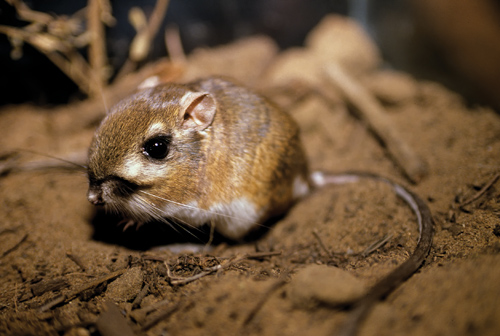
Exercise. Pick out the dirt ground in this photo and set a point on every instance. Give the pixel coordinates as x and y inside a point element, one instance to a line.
<point>69,269</point>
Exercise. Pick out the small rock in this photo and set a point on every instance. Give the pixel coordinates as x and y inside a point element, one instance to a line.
<point>78,331</point>
<point>335,39</point>
<point>244,60</point>
<point>320,284</point>
<point>342,40</point>
<point>126,287</point>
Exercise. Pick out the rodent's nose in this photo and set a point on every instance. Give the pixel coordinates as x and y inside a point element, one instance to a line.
<point>94,196</point>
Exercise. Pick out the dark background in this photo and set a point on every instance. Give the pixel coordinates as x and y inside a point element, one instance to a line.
<point>391,23</point>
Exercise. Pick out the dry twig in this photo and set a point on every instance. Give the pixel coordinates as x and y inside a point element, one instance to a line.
<point>59,38</point>
<point>376,245</point>
<point>174,45</point>
<point>77,260</point>
<point>146,32</point>
<point>141,313</point>
<point>321,244</point>
<point>175,280</point>
<point>72,294</point>
<point>481,191</point>
<point>142,294</point>
<point>414,167</point>
<point>258,306</point>
<point>97,46</point>
<point>22,240</point>
<point>160,315</point>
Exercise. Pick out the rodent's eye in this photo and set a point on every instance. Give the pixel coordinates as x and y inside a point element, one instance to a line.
<point>157,147</point>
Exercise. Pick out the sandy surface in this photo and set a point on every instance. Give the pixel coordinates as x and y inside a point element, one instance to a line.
<point>54,244</point>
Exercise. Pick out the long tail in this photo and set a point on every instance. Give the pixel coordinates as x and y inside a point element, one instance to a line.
<point>391,281</point>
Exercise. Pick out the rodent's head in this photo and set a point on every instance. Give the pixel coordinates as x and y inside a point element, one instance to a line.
<point>148,148</point>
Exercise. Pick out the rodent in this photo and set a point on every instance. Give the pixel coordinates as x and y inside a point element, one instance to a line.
<point>215,152</point>
<point>204,152</point>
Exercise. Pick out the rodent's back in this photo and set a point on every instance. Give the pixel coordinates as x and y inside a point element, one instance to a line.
<point>266,159</point>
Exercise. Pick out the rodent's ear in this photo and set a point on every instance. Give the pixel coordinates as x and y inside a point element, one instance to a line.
<point>198,110</point>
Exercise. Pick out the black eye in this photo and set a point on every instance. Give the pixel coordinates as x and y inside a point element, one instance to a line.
<point>156,148</point>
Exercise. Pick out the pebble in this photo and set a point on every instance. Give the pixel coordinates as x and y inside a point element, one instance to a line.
<point>321,284</point>
<point>126,287</point>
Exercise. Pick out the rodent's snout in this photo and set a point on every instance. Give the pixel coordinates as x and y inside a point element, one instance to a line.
<point>112,190</point>
<point>94,195</point>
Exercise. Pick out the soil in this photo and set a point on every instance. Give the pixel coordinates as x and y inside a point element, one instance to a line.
<point>69,269</point>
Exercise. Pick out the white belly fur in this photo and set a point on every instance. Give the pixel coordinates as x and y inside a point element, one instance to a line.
<point>233,220</point>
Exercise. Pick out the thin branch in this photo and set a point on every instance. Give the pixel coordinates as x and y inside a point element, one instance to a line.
<point>174,45</point>
<point>414,167</point>
<point>22,240</point>
<point>141,44</point>
<point>57,38</point>
<point>264,298</point>
<point>73,68</point>
<point>376,245</point>
<point>157,17</point>
<point>97,46</point>
<point>27,14</point>
<point>77,260</point>
<point>175,280</point>
<point>72,294</point>
<point>74,72</point>
<point>482,191</point>
<point>320,242</point>
<point>161,315</point>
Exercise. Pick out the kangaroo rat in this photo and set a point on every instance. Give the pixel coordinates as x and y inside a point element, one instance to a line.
<point>205,152</point>
<point>214,152</point>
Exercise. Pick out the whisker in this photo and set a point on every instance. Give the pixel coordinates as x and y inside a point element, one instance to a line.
<point>185,226</point>
<point>159,215</point>
<point>173,222</point>
<point>170,201</point>
<point>167,221</point>
<point>177,221</point>
<point>41,165</point>
<point>191,206</point>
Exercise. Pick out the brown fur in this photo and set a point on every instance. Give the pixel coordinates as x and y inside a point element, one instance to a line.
<point>250,149</point>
